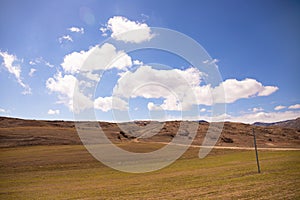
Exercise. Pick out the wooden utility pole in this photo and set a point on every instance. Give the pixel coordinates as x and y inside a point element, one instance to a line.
<point>256,153</point>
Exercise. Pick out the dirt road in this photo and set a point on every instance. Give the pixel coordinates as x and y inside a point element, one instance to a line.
<point>234,148</point>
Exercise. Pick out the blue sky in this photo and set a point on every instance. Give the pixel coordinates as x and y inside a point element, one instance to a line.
<point>254,44</point>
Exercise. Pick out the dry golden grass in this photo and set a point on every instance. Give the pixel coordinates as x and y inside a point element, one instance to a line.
<point>70,172</point>
<point>45,160</point>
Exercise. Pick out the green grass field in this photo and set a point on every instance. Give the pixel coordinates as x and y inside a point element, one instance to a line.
<point>70,172</point>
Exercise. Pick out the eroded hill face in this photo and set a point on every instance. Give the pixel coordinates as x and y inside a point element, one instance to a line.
<point>18,132</point>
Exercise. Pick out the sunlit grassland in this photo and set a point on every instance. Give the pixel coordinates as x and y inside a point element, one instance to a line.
<point>70,172</point>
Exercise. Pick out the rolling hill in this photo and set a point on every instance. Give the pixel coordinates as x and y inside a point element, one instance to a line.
<point>19,132</point>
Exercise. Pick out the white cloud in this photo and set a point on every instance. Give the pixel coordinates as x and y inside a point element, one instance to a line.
<point>280,107</point>
<point>152,106</point>
<point>32,70</point>
<point>296,106</point>
<point>53,112</point>
<point>83,102</point>
<point>257,109</point>
<point>137,62</point>
<point>213,61</point>
<point>246,88</point>
<point>76,30</point>
<point>104,31</point>
<point>264,117</point>
<point>108,103</point>
<point>15,69</point>
<point>99,58</point>
<point>181,89</point>
<point>91,76</point>
<point>2,110</point>
<point>8,61</point>
<point>267,90</point>
<point>202,110</point>
<point>65,38</point>
<point>49,64</point>
<point>73,62</point>
<point>65,86</point>
<point>32,63</point>
<point>170,103</point>
<point>68,38</point>
<point>119,25</point>
<point>41,60</point>
<point>62,84</point>
<point>85,84</point>
<point>174,86</point>
<point>267,117</point>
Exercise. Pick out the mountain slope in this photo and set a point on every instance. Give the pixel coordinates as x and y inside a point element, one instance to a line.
<point>294,123</point>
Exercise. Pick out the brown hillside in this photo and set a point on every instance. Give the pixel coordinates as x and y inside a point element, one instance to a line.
<point>19,132</point>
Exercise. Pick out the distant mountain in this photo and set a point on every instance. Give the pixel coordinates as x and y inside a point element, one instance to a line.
<point>294,123</point>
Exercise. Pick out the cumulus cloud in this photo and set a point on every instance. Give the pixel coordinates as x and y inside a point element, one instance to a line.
<point>119,25</point>
<point>76,29</point>
<point>15,69</point>
<point>174,86</point>
<point>180,89</point>
<point>296,106</point>
<point>31,73</point>
<point>65,38</point>
<point>280,107</point>
<point>108,103</point>
<point>68,91</point>
<point>53,112</point>
<point>73,62</point>
<point>247,88</point>
<point>148,78</point>
<point>66,87</point>
<point>267,90</point>
<point>99,58</point>
<point>62,84</point>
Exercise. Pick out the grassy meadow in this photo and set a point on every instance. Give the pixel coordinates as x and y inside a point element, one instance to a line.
<point>70,172</point>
